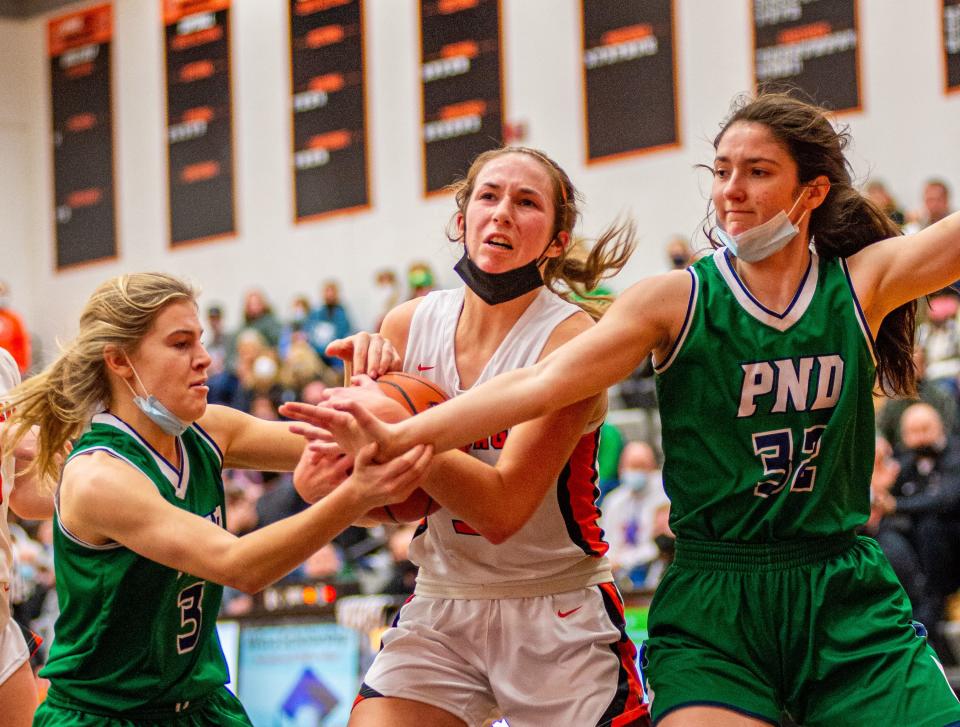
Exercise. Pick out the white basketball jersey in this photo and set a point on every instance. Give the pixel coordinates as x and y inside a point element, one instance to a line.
<point>561,547</point>
<point>9,377</point>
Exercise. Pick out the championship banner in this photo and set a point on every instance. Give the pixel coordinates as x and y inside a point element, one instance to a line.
<point>951,44</point>
<point>199,120</point>
<point>813,45</point>
<point>85,208</point>
<point>461,86</point>
<point>330,163</point>
<point>629,77</point>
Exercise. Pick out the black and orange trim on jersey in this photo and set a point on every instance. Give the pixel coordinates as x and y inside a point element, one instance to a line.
<point>628,707</point>
<point>577,495</point>
<point>33,640</point>
<point>366,692</point>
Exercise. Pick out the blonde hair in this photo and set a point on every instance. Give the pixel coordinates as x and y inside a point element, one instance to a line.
<point>574,273</point>
<point>61,399</point>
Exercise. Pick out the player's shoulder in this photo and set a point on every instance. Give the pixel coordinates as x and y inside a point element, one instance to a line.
<point>665,295</point>
<point>396,324</point>
<point>567,329</point>
<point>99,475</point>
<point>402,314</point>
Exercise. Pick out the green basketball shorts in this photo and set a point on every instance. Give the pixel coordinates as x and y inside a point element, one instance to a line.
<point>819,630</point>
<point>220,709</point>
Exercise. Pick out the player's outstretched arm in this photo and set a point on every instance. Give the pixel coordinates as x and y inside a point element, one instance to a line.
<point>31,496</point>
<point>251,443</point>
<point>892,272</point>
<point>105,500</point>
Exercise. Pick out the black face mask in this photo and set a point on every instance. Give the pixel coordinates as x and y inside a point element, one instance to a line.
<point>496,288</point>
<point>927,450</point>
<point>665,544</point>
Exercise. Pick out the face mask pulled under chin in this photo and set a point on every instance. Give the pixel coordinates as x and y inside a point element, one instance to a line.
<point>168,422</point>
<point>156,412</point>
<point>762,241</point>
<point>496,288</point>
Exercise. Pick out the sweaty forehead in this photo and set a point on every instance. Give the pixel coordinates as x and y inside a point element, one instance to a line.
<point>515,169</point>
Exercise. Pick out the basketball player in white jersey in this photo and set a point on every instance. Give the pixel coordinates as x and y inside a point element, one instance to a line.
<point>18,692</point>
<point>515,609</point>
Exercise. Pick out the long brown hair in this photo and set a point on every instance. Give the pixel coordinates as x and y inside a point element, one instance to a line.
<point>63,397</point>
<point>846,221</point>
<point>573,274</point>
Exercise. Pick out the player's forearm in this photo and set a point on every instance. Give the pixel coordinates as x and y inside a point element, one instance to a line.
<point>262,557</point>
<point>481,496</point>
<point>498,404</point>
<point>30,498</point>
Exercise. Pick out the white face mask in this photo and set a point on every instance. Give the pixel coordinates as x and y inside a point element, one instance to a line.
<point>168,422</point>
<point>762,241</point>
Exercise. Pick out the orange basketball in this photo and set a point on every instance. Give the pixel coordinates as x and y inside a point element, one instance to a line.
<point>415,394</point>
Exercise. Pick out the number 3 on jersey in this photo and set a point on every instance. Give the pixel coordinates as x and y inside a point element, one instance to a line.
<point>190,602</point>
<point>775,449</point>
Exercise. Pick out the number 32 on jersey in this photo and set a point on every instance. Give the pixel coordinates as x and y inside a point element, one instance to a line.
<point>775,449</point>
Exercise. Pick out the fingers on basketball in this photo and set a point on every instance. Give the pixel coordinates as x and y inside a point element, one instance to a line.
<point>415,394</point>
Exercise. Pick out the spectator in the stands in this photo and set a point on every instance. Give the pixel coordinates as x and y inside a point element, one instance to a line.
<point>403,573</point>
<point>13,331</point>
<point>258,315</point>
<point>679,253</point>
<point>295,327</point>
<point>629,511</point>
<point>888,417</point>
<point>420,279</point>
<point>924,508</point>
<point>215,340</point>
<point>301,366</point>
<point>386,295</point>
<point>328,322</point>
<point>936,206</point>
<point>939,337</point>
<point>876,191</point>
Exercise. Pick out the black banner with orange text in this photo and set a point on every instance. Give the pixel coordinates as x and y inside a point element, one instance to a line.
<point>629,77</point>
<point>79,46</point>
<point>461,85</point>
<point>199,120</point>
<point>812,45</point>
<point>951,44</point>
<point>330,165</point>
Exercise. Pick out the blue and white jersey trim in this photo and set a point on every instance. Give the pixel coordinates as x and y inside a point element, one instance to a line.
<point>861,318</point>
<point>687,324</point>
<point>178,479</point>
<point>779,321</point>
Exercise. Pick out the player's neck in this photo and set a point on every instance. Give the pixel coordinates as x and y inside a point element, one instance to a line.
<point>492,321</point>
<point>481,329</point>
<point>163,443</point>
<point>774,280</point>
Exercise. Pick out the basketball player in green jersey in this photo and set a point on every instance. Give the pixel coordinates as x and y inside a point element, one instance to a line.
<point>140,544</point>
<point>767,354</point>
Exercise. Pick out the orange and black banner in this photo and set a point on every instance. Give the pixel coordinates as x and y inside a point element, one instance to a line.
<point>461,85</point>
<point>951,43</point>
<point>85,211</point>
<point>629,77</point>
<point>813,46</point>
<point>199,120</point>
<point>330,164</point>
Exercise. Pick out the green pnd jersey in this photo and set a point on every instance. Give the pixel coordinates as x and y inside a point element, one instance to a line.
<point>133,634</point>
<point>768,429</point>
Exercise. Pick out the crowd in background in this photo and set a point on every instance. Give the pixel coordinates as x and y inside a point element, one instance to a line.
<point>272,358</point>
